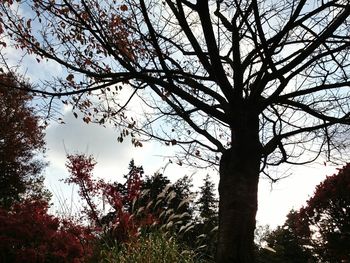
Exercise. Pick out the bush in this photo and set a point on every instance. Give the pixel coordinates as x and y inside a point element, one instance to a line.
<point>29,234</point>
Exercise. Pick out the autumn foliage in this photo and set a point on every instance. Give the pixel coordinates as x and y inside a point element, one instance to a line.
<point>325,220</point>
<point>118,218</point>
<point>29,234</point>
<point>122,222</point>
<point>21,141</point>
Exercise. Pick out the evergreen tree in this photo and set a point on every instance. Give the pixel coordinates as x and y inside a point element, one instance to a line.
<point>207,205</point>
<point>183,191</point>
<point>154,185</point>
<point>207,201</point>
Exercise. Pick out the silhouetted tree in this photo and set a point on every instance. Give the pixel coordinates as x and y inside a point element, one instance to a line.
<point>284,244</point>
<point>183,191</point>
<point>155,185</point>
<point>242,84</point>
<point>207,202</point>
<point>207,206</point>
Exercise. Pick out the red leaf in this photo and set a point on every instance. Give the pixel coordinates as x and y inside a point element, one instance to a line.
<point>29,21</point>
<point>70,77</point>
<point>124,8</point>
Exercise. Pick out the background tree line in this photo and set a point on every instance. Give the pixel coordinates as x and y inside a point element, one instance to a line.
<point>317,232</point>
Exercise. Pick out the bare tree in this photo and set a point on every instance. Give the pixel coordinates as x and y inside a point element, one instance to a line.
<point>243,84</point>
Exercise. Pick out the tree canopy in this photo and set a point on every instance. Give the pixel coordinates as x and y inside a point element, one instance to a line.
<point>204,62</point>
<point>21,142</point>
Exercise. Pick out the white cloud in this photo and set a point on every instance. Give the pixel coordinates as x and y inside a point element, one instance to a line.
<point>112,158</point>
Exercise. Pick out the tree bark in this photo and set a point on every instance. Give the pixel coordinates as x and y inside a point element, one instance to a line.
<point>238,190</point>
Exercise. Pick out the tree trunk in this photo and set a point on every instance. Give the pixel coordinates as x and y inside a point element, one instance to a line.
<point>238,190</point>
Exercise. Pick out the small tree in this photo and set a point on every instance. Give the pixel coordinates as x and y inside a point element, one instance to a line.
<point>155,185</point>
<point>183,191</point>
<point>207,206</point>
<point>325,220</point>
<point>207,202</point>
<point>21,140</point>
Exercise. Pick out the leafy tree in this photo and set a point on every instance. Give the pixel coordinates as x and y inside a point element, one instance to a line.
<point>325,220</point>
<point>246,85</point>
<point>132,186</point>
<point>153,187</point>
<point>21,140</point>
<point>181,195</point>
<point>318,232</point>
<point>183,191</point>
<point>124,220</point>
<point>136,208</point>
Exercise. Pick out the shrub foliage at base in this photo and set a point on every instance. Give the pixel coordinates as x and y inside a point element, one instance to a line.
<point>153,248</point>
<point>29,234</point>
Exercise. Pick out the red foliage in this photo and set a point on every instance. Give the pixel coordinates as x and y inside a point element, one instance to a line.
<point>327,217</point>
<point>21,138</point>
<point>124,223</point>
<point>80,168</point>
<point>335,189</point>
<point>29,234</point>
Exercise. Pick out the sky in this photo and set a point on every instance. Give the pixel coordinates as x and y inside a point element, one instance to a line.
<point>275,200</point>
<point>75,136</point>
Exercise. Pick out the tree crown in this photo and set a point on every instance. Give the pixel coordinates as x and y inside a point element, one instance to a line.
<point>217,72</point>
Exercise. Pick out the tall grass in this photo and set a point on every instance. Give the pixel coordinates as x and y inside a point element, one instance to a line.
<point>156,247</point>
<point>156,243</point>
